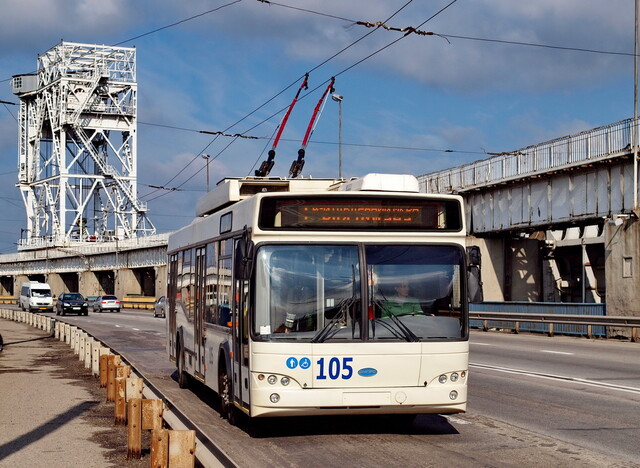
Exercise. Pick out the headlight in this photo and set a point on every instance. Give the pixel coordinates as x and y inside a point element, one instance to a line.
<point>453,394</point>
<point>274,397</point>
<point>272,379</point>
<point>442,379</point>
<point>284,381</point>
<point>454,377</point>
<point>84,304</point>
<point>66,304</point>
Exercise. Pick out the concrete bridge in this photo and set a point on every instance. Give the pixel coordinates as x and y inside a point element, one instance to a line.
<point>555,221</point>
<point>135,268</point>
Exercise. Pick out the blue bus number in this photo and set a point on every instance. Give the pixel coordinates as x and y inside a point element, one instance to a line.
<point>335,368</point>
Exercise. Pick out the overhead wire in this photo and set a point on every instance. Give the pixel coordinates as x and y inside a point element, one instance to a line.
<point>274,97</point>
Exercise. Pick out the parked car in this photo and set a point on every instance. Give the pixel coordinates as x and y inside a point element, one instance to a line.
<point>107,302</point>
<point>91,300</point>
<point>71,302</point>
<point>160,307</point>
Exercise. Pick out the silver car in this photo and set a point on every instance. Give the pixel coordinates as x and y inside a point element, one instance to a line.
<point>106,303</point>
<point>160,307</point>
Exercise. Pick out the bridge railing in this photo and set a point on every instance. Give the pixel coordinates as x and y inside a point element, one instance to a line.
<point>550,318</point>
<point>593,145</point>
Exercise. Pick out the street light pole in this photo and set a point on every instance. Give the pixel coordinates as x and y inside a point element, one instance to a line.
<point>206,157</point>
<point>338,98</point>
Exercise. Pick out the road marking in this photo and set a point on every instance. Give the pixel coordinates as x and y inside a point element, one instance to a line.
<point>118,326</point>
<point>561,378</point>
<point>556,352</point>
<point>481,344</point>
<point>136,329</point>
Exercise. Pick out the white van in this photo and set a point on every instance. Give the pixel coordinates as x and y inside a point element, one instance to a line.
<point>36,296</point>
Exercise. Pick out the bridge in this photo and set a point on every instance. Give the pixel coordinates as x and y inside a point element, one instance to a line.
<point>555,221</point>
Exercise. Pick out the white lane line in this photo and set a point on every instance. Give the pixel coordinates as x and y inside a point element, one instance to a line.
<point>555,352</point>
<point>136,329</point>
<point>562,378</point>
<point>118,326</point>
<point>480,344</point>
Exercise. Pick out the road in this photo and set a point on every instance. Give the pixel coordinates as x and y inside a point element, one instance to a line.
<point>534,401</point>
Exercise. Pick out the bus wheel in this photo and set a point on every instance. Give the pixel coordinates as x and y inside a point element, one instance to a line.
<point>183,378</point>
<point>224,392</point>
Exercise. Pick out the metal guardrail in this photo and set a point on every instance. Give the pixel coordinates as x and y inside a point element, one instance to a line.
<point>589,320</point>
<point>598,144</point>
<point>207,452</point>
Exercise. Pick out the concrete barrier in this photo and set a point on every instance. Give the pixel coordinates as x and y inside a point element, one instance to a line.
<point>168,447</point>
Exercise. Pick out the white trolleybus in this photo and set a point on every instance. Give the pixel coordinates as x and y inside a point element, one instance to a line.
<point>312,296</point>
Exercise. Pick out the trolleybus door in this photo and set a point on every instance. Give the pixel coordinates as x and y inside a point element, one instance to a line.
<point>241,375</point>
<point>198,325</point>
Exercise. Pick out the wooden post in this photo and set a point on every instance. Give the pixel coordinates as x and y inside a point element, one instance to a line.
<point>113,361</point>
<point>104,366</point>
<point>121,403</point>
<point>134,388</point>
<point>123,372</point>
<point>152,414</point>
<point>134,431</point>
<point>182,449</point>
<point>160,448</point>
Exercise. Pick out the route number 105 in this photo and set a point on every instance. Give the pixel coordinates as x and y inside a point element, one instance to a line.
<point>335,368</point>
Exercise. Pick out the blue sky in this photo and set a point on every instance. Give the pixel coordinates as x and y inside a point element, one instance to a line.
<point>427,93</point>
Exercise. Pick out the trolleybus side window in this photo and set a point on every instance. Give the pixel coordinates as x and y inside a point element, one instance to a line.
<point>211,283</point>
<point>225,282</point>
<point>187,284</point>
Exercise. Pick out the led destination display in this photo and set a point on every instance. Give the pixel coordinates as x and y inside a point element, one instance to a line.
<point>360,213</point>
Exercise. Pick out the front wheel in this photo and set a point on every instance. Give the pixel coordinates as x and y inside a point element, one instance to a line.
<point>227,411</point>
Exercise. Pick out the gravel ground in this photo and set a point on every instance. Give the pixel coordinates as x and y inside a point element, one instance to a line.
<point>52,410</point>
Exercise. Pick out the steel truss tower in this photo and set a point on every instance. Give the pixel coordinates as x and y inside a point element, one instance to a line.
<point>77,170</point>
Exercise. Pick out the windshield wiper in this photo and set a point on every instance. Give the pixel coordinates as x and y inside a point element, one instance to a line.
<point>329,329</point>
<point>407,334</point>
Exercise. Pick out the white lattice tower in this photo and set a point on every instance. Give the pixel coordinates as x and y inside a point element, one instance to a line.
<point>77,147</point>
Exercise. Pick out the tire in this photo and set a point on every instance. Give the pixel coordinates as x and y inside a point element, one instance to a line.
<point>227,410</point>
<point>183,377</point>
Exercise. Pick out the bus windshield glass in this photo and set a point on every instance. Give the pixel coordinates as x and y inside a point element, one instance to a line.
<point>313,293</point>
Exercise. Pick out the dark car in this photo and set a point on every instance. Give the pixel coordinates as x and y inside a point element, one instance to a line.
<point>72,302</point>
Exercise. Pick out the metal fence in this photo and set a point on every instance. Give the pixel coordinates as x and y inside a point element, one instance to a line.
<point>581,148</point>
<point>542,308</point>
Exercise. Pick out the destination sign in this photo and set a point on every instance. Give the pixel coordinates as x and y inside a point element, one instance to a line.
<point>360,213</point>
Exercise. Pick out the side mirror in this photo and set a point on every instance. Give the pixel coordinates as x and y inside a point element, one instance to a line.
<point>244,258</point>
<point>474,278</point>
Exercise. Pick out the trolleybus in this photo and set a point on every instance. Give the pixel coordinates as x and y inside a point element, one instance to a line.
<point>316,296</point>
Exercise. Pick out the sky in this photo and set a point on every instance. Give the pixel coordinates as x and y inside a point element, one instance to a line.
<point>496,75</point>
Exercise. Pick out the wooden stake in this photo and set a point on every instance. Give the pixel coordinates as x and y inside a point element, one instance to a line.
<point>160,448</point>
<point>134,430</point>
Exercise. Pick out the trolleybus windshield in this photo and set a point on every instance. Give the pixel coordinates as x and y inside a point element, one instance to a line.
<point>313,293</point>
<point>358,212</point>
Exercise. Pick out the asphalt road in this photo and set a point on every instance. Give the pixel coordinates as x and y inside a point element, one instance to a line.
<point>534,401</point>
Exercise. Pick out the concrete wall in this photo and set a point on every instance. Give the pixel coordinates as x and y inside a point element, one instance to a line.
<point>492,269</point>
<point>511,268</point>
<point>622,266</point>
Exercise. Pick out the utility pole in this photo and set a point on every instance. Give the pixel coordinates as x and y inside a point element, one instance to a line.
<point>207,158</point>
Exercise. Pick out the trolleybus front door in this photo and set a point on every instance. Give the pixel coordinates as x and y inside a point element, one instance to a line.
<point>241,375</point>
